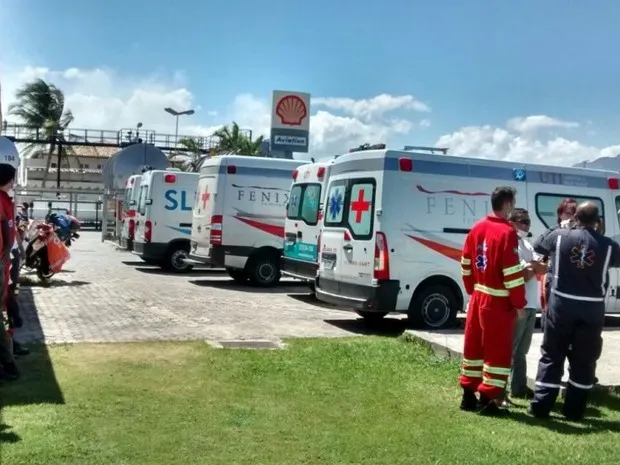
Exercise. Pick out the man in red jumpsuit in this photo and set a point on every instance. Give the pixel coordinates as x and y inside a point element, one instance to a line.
<point>493,278</point>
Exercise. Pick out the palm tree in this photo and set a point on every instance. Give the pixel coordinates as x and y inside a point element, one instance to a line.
<point>196,156</point>
<point>41,106</point>
<point>231,140</point>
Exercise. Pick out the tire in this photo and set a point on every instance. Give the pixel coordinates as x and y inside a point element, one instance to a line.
<point>44,277</point>
<point>173,260</point>
<point>434,307</point>
<point>263,270</point>
<point>371,317</point>
<point>240,276</point>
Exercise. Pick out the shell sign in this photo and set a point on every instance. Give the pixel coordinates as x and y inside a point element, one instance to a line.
<point>290,121</point>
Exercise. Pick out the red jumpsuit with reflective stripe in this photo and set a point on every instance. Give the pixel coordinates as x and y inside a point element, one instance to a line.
<point>7,226</point>
<point>493,277</point>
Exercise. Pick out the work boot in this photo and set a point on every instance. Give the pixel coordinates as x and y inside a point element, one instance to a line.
<point>469,402</point>
<point>537,413</point>
<point>490,408</point>
<point>9,372</point>
<point>19,349</point>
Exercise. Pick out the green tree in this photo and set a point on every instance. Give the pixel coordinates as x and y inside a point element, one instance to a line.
<point>41,106</point>
<point>195,155</point>
<point>233,141</point>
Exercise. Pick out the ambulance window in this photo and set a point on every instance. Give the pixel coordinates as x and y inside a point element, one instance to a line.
<point>361,208</point>
<point>335,203</point>
<point>294,202</point>
<point>142,200</point>
<point>310,204</point>
<point>127,198</point>
<point>547,206</point>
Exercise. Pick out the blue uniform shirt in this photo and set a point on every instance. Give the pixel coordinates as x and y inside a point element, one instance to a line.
<point>580,259</point>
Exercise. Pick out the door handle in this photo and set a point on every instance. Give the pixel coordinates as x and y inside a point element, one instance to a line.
<point>347,247</point>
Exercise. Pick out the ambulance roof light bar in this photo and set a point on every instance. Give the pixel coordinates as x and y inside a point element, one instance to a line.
<point>409,148</point>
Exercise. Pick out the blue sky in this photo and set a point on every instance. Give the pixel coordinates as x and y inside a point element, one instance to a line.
<point>475,63</point>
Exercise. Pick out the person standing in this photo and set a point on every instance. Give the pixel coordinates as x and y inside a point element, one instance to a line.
<point>493,278</point>
<point>524,326</point>
<point>576,312</point>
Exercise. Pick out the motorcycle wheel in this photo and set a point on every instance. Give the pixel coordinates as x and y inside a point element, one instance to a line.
<point>44,277</point>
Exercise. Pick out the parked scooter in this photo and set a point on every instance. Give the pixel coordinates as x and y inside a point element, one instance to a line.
<point>45,252</point>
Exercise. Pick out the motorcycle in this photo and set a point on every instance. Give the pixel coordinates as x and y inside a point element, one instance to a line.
<point>45,252</point>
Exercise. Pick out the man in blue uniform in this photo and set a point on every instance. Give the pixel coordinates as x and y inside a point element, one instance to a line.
<point>580,258</point>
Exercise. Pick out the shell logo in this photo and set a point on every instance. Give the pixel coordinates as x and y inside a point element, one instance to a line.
<point>291,110</point>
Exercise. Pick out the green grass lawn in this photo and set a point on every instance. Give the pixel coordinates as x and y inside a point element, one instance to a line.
<point>353,401</point>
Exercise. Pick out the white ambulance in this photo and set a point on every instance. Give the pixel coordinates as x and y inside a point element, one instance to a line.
<point>164,221</point>
<point>395,222</point>
<point>239,212</point>
<point>128,225</point>
<point>302,224</point>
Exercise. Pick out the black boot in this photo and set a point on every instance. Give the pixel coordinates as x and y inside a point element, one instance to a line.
<point>488,407</point>
<point>469,402</point>
<point>19,349</point>
<point>9,372</point>
<point>537,412</point>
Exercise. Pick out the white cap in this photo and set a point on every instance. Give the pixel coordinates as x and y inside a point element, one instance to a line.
<point>8,153</point>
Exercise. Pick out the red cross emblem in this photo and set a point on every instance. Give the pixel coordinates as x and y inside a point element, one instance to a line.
<point>360,206</point>
<point>205,197</point>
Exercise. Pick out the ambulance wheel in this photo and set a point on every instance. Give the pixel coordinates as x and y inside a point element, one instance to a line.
<point>239,276</point>
<point>263,269</point>
<point>371,317</point>
<point>175,257</point>
<point>433,307</point>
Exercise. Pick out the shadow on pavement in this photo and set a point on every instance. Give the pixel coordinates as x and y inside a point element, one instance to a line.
<point>192,272</point>
<point>134,263</point>
<point>388,327</point>
<point>27,282</point>
<point>284,287</point>
<point>37,384</point>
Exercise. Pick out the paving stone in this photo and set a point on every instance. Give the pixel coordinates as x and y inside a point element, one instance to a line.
<point>105,294</point>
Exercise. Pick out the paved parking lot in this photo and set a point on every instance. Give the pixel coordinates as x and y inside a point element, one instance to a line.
<point>105,294</point>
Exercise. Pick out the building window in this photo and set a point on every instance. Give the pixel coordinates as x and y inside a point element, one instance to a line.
<point>53,165</point>
<point>99,167</point>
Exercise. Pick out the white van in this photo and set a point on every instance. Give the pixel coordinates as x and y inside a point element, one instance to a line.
<point>128,225</point>
<point>165,218</point>
<point>238,220</point>
<point>302,224</point>
<point>395,222</point>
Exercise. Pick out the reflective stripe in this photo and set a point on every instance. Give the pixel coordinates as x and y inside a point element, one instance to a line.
<point>473,363</point>
<point>512,270</point>
<point>491,291</point>
<point>580,386</point>
<point>578,297</point>
<point>514,283</point>
<point>605,268</point>
<point>465,272</point>
<point>497,370</point>
<point>472,373</point>
<point>556,263</point>
<point>465,261</point>
<point>548,385</point>
<point>494,382</point>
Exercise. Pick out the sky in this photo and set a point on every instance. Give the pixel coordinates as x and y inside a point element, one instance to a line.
<point>529,81</point>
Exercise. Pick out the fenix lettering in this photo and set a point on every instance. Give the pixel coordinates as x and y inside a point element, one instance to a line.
<point>264,197</point>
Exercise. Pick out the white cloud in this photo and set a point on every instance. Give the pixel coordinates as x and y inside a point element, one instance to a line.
<point>521,143</point>
<point>104,99</point>
<point>531,124</point>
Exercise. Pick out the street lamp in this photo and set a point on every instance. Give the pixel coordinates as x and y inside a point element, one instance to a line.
<point>177,114</point>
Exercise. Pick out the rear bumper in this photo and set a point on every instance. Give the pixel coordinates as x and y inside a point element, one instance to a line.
<point>127,243</point>
<point>150,251</point>
<point>299,269</point>
<point>218,253</point>
<point>380,298</point>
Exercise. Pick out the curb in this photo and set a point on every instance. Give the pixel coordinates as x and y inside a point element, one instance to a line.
<point>445,352</point>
